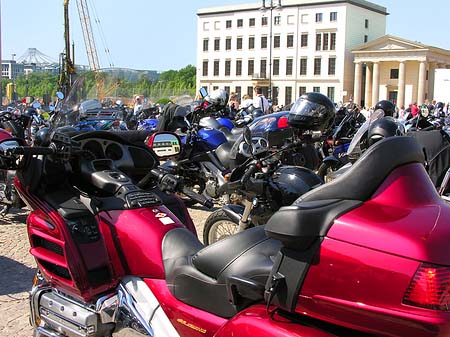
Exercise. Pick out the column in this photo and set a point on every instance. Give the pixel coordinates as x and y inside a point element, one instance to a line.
<point>431,73</point>
<point>368,93</point>
<point>421,83</point>
<point>376,83</point>
<point>401,84</point>
<point>357,86</point>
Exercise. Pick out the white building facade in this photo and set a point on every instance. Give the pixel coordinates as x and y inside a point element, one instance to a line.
<point>307,45</point>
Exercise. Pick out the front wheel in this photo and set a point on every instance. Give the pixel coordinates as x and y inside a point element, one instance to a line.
<point>218,226</point>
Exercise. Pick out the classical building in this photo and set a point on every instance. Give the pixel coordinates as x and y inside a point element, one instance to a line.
<point>396,69</point>
<point>304,45</point>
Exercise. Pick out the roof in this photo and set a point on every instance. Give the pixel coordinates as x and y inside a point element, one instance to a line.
<point>291,3</point>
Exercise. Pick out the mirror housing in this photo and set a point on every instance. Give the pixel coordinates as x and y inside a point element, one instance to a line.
<point>60,95</point>
<point>203,92</point>
<point>164,144</point>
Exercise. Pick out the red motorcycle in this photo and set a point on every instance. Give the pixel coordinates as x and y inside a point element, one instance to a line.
<point>365,255</point>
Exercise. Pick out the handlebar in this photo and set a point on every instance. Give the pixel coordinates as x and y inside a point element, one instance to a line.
<point>35,150</point>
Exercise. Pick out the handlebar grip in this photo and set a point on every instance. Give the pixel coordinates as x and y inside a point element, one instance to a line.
<point>198,197</point>
<point>35,150</point>
<point>247,175</point>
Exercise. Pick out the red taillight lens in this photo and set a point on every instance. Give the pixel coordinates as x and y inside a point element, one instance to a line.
<point>430,288</point>
<point>116,123</point>
<point>282,122</point>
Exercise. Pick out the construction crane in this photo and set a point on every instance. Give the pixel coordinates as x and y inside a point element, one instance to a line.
<point>67,69</point>
<point>83,12</point>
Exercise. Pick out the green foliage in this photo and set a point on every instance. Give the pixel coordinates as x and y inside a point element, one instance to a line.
<point>36,84</point>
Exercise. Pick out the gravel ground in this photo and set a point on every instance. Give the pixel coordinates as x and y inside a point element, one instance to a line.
<point>17,269</point>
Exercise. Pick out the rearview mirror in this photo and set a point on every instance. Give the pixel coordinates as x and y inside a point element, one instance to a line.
<point>164,144</point>
<point>203,92</point>
<point>60,95</point>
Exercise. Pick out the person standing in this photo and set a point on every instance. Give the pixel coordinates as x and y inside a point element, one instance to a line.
<point>260,101</point>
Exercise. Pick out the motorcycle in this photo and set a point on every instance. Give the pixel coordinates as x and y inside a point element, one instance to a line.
<point>358,257</point>
<point>263,185</point>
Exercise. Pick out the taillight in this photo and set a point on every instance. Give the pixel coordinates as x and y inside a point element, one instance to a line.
<point>429,288</point>
<point>282,122</point>
<point>116,123</point>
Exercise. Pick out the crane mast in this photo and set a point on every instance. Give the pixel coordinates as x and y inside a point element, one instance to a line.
<point>88,35</point>
<point>67,68</point>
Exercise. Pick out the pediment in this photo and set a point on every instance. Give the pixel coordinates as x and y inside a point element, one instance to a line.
<point>389,42</point>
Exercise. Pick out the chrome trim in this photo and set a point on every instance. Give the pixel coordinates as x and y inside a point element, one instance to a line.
<point>108,308</point>
<point>127,303</point>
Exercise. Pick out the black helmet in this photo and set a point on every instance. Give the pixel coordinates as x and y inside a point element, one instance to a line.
<point>312,111</point>
<point>255,112</point>
<point>383,128</point>
<point>387,106</point>
<point>218,97</point>
<point>29,113</point>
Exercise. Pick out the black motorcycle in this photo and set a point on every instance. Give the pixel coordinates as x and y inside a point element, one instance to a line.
<point>264,185</point>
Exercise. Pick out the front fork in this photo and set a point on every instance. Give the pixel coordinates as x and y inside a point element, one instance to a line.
<point>244,221</point>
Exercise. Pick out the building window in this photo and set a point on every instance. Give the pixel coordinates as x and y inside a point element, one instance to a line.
<point>366,38</point>
<point>332,66</point>
<point>251,22</point>
<point>238,67</point>
<point>317,65</point>
<point>316,89</point>
<point>227,88</point>
<point>263,42</point>
<point>330,93</point>
<point>305,18</point>
<point>205,68</point>
<point>325,41</point>
<point>216,68</point>
<point>276,67</point>
<point>250,91</point>
<point>239,43</point>
<point>291,19</point>
<point>318,41</point>
<point>277,20</point>
<point>394,74</point>
<point>227,67</point>
<point>276,41</point>
<point>205,26</point>
<point>263,68</point>
<point>366,23</point>
<point>228,43</point>
<point>290,41</point>
<point>264,21</point>
<point>333,16</point>
<point>304,40</point>
<point>215,87</point>
<point>228,24</point>
<point>251,42</point>
<point>289,66</point>
<point>287,95</point>
<point>216,44</point>
<point>303,66</point>
<point>217,25</point>
<point>251,67</point>
<point>238,91</point>
<point>205,44</point>
<point>301,90</point>
<point>240,22</point>
<point>332,41</point>
<point>319,17</point>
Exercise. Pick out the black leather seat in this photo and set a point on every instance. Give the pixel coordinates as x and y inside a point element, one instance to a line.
<point>199,275</point>
<point>311,215</point>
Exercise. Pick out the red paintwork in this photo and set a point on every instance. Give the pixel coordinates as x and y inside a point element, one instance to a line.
<point>138,236</point>
<point>178,311</point>
<point>4,135</point>
<point>371,254</point>
<point>255,321</point>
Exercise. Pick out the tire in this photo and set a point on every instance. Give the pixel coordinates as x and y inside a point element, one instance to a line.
<point>218,226</point>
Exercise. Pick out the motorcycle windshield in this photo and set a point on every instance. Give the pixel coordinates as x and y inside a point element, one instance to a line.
<point>354,147</point>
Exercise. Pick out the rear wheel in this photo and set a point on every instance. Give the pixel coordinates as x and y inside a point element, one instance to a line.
<point>218,226</point>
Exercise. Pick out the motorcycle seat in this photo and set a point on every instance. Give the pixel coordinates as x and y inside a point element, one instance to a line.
<point>310,216</point>
<point>200,276</point>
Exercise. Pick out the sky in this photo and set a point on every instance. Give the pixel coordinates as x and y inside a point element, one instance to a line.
<point>161,35</point>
